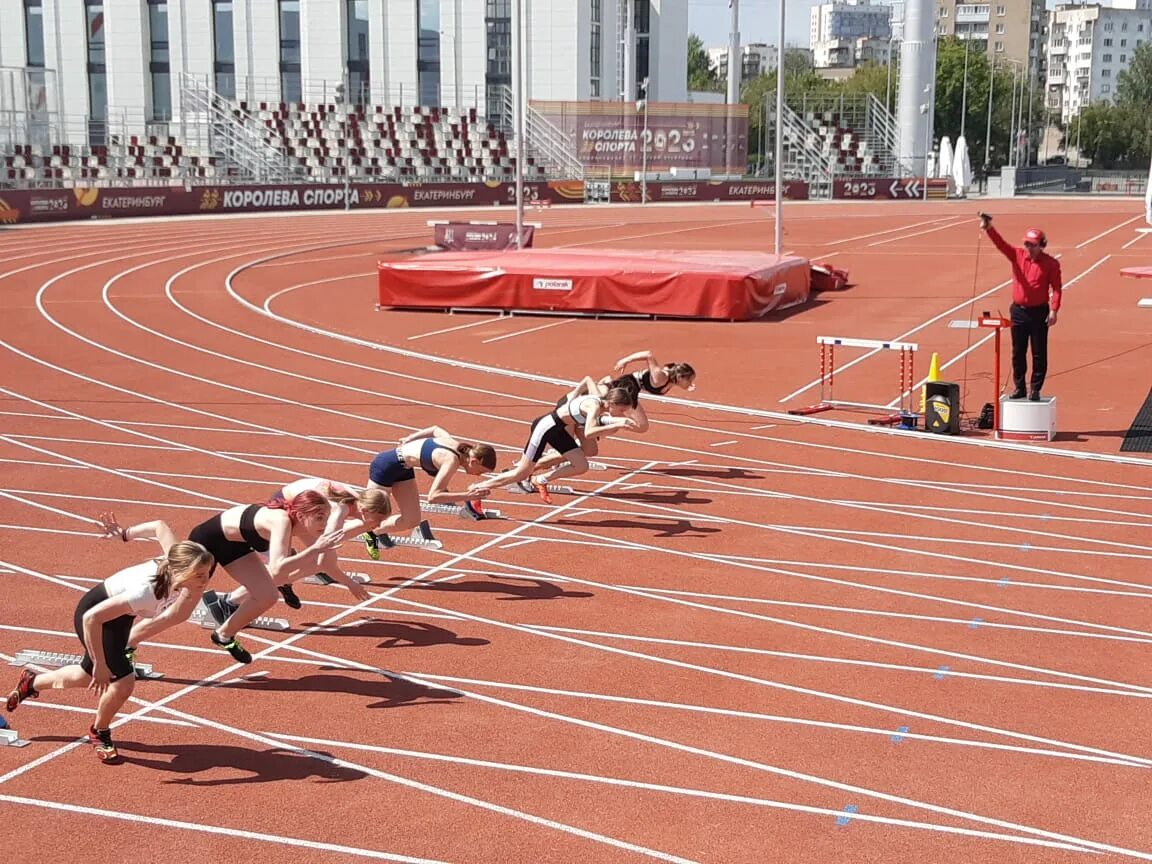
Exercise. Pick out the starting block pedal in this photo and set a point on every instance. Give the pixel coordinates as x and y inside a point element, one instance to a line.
<point>10,737</point>
<point>204,618</point>
<point>325,579</point>
<point>56,659</point>
<point>517,489</point>
<point>421,537</point>
<point>468,510</point>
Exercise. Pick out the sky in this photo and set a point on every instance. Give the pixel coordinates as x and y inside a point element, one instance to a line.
<point>710,20</point>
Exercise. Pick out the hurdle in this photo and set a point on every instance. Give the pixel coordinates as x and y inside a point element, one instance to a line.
<point>828,402</point>
<point>476,513</point>
<point>56,659</point>
<point>201,615</point>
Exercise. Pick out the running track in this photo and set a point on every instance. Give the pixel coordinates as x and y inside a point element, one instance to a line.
<point>751,640</point>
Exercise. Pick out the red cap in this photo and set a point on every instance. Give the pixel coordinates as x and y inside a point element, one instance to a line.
<point>1035,235</point>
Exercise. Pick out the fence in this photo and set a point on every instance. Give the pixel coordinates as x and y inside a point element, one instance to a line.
<point>1065,180</point>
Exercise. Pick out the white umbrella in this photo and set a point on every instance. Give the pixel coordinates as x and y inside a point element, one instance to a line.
<point>1148,198</point>
<point>961,166</point>
<point>944,168</point>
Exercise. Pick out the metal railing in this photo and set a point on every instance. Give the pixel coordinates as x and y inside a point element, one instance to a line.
<point>545,140</point>
<point>208,120</point>
<point>803,159</point>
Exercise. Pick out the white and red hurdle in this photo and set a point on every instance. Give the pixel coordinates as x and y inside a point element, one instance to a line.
<point>828,402</point>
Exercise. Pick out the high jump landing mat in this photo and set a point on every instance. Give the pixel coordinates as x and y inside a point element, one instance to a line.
<point>725,285</point>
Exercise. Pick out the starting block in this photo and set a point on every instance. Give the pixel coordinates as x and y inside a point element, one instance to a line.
<point>517,489</point>
<point>11,738</point>
<point>468,510</point>
<point>325,579</point>
<point>203,617</point>
<point>828,402</point>
<point>421,537</point>
<point>56,659</point>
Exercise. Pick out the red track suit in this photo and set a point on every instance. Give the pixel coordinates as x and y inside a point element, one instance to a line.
<point>1033,283</point>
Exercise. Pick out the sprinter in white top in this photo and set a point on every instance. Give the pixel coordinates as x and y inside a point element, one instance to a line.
<point>129,606</point>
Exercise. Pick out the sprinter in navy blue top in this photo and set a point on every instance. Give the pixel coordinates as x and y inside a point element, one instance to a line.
<point>438,455</point>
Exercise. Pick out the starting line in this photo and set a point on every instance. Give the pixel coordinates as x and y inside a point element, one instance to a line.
<point>57,659</point>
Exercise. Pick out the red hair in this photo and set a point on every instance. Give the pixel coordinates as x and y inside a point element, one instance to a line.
<point>307,503</point>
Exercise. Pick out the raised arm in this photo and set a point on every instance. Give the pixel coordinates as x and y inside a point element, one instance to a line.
<point>999,242</point>
<point>624,362</point>
<point>157,530</point>
<point>430,432</point>
<point>281,564</point>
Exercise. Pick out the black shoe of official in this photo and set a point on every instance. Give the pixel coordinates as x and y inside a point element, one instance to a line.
<point>1034,396</point>
<point>289,596</point>
<point>1018,394</point>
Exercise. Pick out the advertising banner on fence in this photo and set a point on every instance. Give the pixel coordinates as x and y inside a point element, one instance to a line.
<point>53,205</point>
<point>464,236</point>
<point>888,188</point>
<point>619,135</point>
<point>708,190</point>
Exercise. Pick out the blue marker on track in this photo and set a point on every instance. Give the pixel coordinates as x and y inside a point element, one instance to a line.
<point>900,733</point>
<point>847,817</point>
<point>975,623</point>
<point>3,722</point>
<point>941,672</point>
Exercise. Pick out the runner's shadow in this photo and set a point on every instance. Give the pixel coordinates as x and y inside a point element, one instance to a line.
<point>667,497</point>
<point>538,590</point>
<point>402,634</point>
<point>256,766</point>
<point>714,473</point>
<point>677,528</point>
<point>390,691</point>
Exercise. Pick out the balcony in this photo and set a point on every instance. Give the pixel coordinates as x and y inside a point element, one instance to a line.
<point>972,15</point>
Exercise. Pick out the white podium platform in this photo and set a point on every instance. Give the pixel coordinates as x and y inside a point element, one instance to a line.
<point>1024,420</point>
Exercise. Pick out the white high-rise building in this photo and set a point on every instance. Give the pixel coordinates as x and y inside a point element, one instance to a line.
<point>1088,47</point>
<point>758,59</point>
<point>840,28</point>
<point>122,61</point>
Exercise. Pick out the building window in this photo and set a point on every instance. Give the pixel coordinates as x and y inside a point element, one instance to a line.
<point>224,48</point>
<point>34,33</point>
<point>643,11</point>
<point>359,61</point>
<point>158,60</point>
<point>291,89</point>
<point>97,80</point>
<point>498,70</point>
<point>1107,58</point>
<point>428,52</point>
<point>1000,46</point>
<point>594,49</point>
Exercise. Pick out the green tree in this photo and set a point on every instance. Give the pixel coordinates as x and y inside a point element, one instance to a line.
<point>951,103</point>
<point>1134,84</point>
<point>1112,136</point>
<point>701,75</point>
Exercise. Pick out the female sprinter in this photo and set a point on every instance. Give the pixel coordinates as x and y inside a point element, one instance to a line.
<point>352,511</point>
<point>440,456</point>
<point>589,444</point>
<point>134,604</point>
<point>656,379</point>
<point>238,536</point>
<point>557,429</point>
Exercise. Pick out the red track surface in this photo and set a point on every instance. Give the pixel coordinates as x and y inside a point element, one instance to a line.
<point>745,626</point>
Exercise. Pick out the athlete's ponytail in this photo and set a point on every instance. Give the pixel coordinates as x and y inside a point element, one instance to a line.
<point>177,567</point>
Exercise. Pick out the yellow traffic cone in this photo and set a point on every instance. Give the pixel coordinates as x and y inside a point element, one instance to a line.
<point>933,376</point>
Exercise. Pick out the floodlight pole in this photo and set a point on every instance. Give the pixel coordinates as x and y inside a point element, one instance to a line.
<point>779,184</point>
<point>518,112</point>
